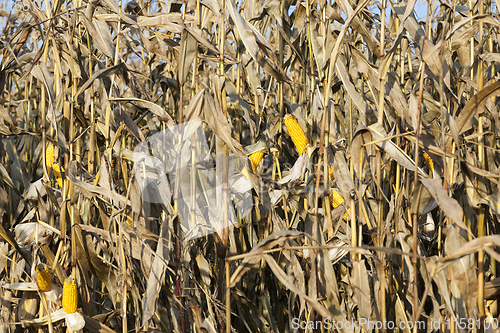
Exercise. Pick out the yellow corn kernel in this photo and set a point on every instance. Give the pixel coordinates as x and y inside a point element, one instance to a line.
<point>43,277</point>
<point>70,296</point>
<point>255,159</point>
<point>245,173</point>
<point>57,172</point>
<point>330,173</point>
<point>297,134</point>
<point>429,162</point>
<point>336,200</point>
<point>50,156</point>
<point>57,169</point>
<point>50,160</point>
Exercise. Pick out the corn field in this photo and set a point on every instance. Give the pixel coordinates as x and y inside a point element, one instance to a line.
<point>249,166</point>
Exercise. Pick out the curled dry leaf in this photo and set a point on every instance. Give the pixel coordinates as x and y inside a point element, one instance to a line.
<point>254,256</point>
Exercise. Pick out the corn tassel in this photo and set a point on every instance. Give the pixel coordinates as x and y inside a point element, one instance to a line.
<point>70,296</point>
<point>297,134</point>
<point>429,162</point>
<point>43,277</point>
<point>255,159</point>
<point>336,200</point>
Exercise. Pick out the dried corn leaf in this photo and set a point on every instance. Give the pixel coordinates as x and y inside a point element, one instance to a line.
<point>188,50</point>
<point>255,44</point>
<point>254,256</point>
<point>379,135</point>
<point>493,202</point>
<point>153,107</point>
<point>88,258</point>
<point>283,278</point>
<point>449,205</point>
<point>362,292</point>
<point>220,126</point>
<point>100,74</point>
<point>100,34</point>
<point>156,277</point>
<point>475,104</point>
<point>463,278</point>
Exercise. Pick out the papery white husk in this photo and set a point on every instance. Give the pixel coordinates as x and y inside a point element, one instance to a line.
<point>241,184</point>
<point>275,195</point>
<point>54,316</point>
<point>75,321</point>
<point>25,234</point>
<point>298,169</point>
<point>23,286</point>
<point>52,294</point>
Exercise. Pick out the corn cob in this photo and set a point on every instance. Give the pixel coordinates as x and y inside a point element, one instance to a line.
<point>297,134</point>
<point>57,172</point>
<point>429,162</point>
<point>50,160</point>
<point>50,156</point>
<point>330,173</point>
<point>255,159</point>
<point>43,277</point>
<point>70,296</point>
<point>336,200</point>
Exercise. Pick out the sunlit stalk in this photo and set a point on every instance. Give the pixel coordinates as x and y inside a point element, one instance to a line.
<point>222,248</point>
<point>415,183</point>
<point>493,269</point>
<point>382,80</point>
<point>481,227</point>
<point>309,43</point>
<point>353,209</point>
<point>92,143</point>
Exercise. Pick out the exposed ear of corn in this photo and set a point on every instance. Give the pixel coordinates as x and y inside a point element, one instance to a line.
<point>297,134</point>
<point>57,172</point>
<point>50,156</point>
<point>255,159</point>
<point>70,296</point>
<point>43,277</point>
<point>336,200</point>
<point>330,173</point>
<point>50,160</point>
<point>429,162</point>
